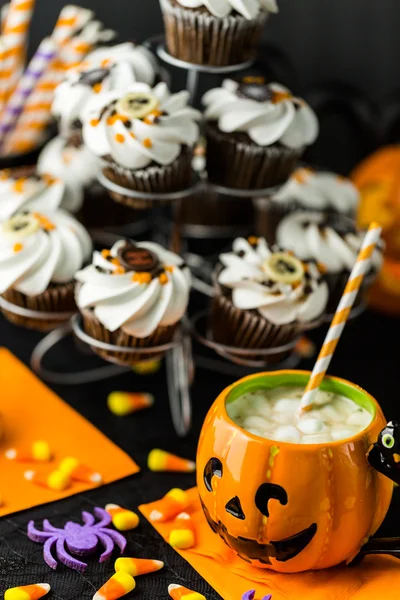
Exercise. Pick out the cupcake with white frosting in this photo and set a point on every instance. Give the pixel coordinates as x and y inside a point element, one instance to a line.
<point>264,298</point>
<point>104,70</point>
<point>310,190</point>
<point>133,296</point>
<point>145,138</point>
<point>215,32</point>
<point>334,242</point>
<point>39,256</point>
<point>256,132</point>
<point>26,189</point>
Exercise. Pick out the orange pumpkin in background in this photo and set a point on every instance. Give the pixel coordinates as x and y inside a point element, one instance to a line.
<point>290,507</point>
<point>378,179</point>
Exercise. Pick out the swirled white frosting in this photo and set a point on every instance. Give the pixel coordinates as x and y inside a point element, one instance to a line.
<point>281,303</point>
<point>313,236</point>
<point>275,116</point>
<point>222,8</point>
<point>104,70</point>
<point>134,143</point>
<point>319,190</point>
<point>37,249</point>
<point>137,302</point>
<point>77,167</point>
<point>36,192</point>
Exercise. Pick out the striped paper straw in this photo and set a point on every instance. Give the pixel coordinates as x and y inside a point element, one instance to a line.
<point>3,16</point>
<point>360,268</point>
<point>44,55</point>
<point>15,31</point>
<point>71,19</point>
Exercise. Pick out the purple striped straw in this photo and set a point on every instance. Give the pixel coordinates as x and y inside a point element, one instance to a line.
<point>44,55</point>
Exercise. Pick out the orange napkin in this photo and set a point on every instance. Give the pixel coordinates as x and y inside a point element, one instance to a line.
<point>376,578</point>
<point>30,411</point>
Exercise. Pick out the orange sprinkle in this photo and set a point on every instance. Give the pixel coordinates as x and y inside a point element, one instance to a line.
<point>120,138</point>
<point>112,120</point>
<point>147,143</point>
<point>105,62</point>
<point>163,278</point>
<point>5,174</point>
<point>105,253</point>
<point>115,261</point>
<point>281,97</point>
<point>169,268</point>
<point>301,175</point>
<point>132,135</point>
<point>19,185</point>
<point>94,122</point>
<point>119,271</point>
<point>141,278</point>
<point>322,268</point>
<point>49,179</point>
<point>18,247</point>
<point>253,240</point>
<point>254,79</point>
<point>149,120</point>
<point>97,88</point>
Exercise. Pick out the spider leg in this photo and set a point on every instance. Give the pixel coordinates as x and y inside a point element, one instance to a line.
<point>108,544</point>
<point>66,559</point>
<point>47,526</point>
<point>47,552</point>
<point>88,519</point>
<point>116,537</point>
<point>103,516</point>
<point>37,536</point>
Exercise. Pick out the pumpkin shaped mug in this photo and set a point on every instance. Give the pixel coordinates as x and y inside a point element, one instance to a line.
<point>294,507</point>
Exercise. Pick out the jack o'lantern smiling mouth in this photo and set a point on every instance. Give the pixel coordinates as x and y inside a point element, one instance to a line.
<point>248,550</point>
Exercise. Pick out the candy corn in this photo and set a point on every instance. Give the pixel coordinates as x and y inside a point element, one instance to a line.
<point>27,592</point>
<point>78,471</point>
<point>159,460</point>
<point>56,480</point>
<point>117,586</point>
<point>147,368</point>
<point>182,536</point>
<point>138,566</point>
<point>38,452</point>
<point>122,518</point>
<point>178,592</point>
<point>125,403</point>
<point>173,503</point>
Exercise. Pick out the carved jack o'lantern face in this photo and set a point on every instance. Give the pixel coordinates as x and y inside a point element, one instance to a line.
<point>290,507</point>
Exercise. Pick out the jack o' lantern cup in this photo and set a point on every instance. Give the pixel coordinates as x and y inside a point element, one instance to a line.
<point>291,507</point>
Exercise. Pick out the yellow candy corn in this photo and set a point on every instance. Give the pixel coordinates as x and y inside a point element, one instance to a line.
<point>125,403</point>
<point>117,586</point>
<point>122,518</point>
<point>38,452</point>
<point>79,472</point>
<point>147,368</point>
<point>159,460</point>
<point>56,480</point>
<point>27,592</point>
<point>138,566</point>
<point>182,536</point>
<point>173,503</point>
<point>178,592</point>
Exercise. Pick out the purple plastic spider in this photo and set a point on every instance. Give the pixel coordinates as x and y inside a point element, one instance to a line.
<point>81,540</point>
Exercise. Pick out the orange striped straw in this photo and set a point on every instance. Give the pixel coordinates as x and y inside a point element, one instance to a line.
<point>3,16</point>
<point>360,268</point>
<point>71,19</point>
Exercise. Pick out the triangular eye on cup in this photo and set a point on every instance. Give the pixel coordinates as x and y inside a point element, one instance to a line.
<point>213,467</point>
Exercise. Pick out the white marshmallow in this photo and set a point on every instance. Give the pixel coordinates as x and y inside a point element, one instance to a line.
<point>311,425</point>
<point>360,418</point>
<point>286,433</point>
<point>341,432</point>
<point>257,423</point>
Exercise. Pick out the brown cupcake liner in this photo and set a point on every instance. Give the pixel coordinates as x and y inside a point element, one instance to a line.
<point>198,37</point>
<point>156,179</point>
<point>100,212</point>
<point>56,299</point>
<point>93,328</point>
<point>238,163</point>
<point>210,209</point>
<point>337,283</point>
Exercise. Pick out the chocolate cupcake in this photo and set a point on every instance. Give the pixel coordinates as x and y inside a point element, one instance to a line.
<point>39,255</point>
<point>264,299</point>
<point>145,139</point>
<point>133,296</point>
<point>334,242</point>
<point>215,32</point>
<point>26,189</point>
<point>256,132</point>
<point>318,191</point>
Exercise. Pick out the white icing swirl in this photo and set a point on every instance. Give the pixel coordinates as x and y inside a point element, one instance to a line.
<point>36,192</point>
<point>281,117</point>
<point>222,8</point>
<point>252,289</point>
<point>134,301</point>
<point>37,249</point>
<point>136,142</point>
<point>319,190</point>
<point>77,167</point>
<point>117,68</point>
<point>311,236</point>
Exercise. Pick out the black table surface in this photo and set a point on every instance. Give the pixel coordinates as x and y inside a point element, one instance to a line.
<point>368,355</point>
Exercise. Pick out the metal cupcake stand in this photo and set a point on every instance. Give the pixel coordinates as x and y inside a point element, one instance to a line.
<point>178,353</point>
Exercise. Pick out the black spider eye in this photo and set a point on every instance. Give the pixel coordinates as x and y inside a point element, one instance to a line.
<point>213,467</point>
<point>267,492</point>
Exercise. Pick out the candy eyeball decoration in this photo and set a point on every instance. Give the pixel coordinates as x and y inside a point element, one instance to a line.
<point>384,455</point>
<point>283,268</point>
<point>138,105</point>
<point>21,225</point>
